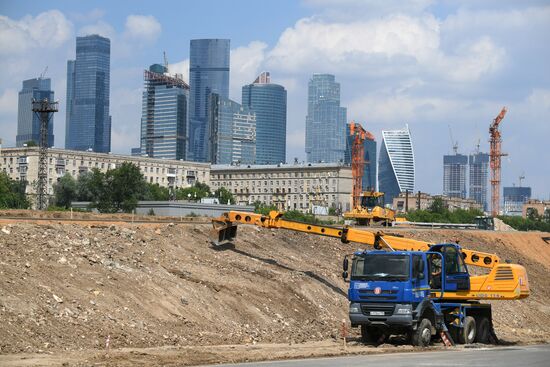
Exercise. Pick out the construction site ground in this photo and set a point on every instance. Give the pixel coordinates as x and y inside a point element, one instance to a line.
<point>99,292</point>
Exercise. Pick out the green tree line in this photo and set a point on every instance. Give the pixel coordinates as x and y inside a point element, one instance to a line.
<point>438,213</point>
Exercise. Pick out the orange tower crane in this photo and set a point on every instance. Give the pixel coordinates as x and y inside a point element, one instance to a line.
<point>495,156</point>
<point>357,161</point>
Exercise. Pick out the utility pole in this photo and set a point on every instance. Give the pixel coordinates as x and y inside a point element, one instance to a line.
<point>44,109</point>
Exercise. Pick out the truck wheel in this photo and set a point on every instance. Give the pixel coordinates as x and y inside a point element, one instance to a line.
<point>422,336</point>
<point>468,333</point>
<point>483,331</point>
<point>371,335</point>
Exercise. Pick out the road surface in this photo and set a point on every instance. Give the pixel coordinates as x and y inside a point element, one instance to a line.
<point>538,355</point>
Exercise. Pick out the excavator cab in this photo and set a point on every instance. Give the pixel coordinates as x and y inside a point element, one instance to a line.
<point>371,199</point>
<point>452,268</point>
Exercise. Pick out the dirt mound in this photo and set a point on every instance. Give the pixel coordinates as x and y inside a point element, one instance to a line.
<point>73,286</point>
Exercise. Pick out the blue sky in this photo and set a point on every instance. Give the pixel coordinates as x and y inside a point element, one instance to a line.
<point>430,64</point>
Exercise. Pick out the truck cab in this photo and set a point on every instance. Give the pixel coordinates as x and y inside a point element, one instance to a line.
<point>400,292</point>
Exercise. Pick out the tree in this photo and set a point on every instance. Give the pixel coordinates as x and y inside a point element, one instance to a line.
<point>532,214</point>
<point>196,192</point>
<point>123,188</point>
<point>156,192</point>
<point>224,195</point>
<point>64,191</point>
<point>30,143</point>
<point>12,193</point>
<point>437,206</point>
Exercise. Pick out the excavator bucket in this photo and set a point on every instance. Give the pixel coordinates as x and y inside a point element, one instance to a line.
<point>222,233</point>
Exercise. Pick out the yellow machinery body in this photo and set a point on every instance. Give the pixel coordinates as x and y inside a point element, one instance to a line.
<point>371,210</point>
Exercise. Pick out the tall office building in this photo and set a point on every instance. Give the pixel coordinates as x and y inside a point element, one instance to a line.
<point>232,132</point>
<point>454,175</point>
<point>514,198</point>
<point>369,174</point>
<point>396,164</point>
<point>28,122</point>
<point>164,114</point>
<point>88,124</point>
<point>479,175</point>
<point>208,73</point>
<point>325,121</point>
<point>268,101</point>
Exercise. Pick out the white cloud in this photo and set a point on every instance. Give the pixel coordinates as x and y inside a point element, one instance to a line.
<point>8,102</point>
<point>142,27</point>
<point>182,68</point>
<point>48,29</point>
<point>245,66</point>
<point>100,27</point>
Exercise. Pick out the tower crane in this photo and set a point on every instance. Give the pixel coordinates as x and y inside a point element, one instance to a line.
<point>495,159</point>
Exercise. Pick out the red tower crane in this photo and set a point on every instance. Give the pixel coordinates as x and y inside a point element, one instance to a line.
<point>357,161</point>
<point>495,156</point>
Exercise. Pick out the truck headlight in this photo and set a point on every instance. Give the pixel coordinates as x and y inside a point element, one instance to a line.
<point>403,310</point>
<point>354,308</point>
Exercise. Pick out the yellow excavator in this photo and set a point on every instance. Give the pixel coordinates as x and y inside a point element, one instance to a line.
<point>406,286</point>
<point>370,209</point>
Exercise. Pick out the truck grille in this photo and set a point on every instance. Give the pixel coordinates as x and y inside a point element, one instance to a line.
<point>386,309</point>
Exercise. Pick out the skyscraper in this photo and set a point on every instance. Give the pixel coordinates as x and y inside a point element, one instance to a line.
<point>369,175</point>
<point>514,197</point>
<point>268,101</point>
<point>325,121</point>
<point>88,124</point>
<point>454,175</point>
<point>208,73</point>
<point>232,132</point>
<point>479,173</point>
<point>164,114</point>
<point>396,164</point>
<point>28,123</point>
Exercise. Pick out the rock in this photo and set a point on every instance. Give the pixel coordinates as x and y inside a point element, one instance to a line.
<point>57,299</point>
<point>27,265</point>
<point>157,231</point>
<point>5,230</point>
<point>62,260</point>
<point>184,301</point>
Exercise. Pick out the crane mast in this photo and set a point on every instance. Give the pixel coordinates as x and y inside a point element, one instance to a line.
<point>357,161</point>
<point>495,159</point>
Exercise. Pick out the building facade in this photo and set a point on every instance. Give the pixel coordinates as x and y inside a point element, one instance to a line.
<point>208,73</point>
<point>396,171</point>
<point>514,198</point>
<point>454,175</point>
<point>478,178</point>
<point>22,164</point>
<point>268,101</point>
<point>369,146</point>
<point>232,132</point>
<point>164,114</point>
<point>287,186</point>
<point>539,207</point>
<point>422,201</point>
<point>325,121</point>
<point>28,122</point>
<point>88,124</point>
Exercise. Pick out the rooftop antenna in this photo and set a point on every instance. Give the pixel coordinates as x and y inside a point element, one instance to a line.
<point>44,72</point>
<point>454,143</point>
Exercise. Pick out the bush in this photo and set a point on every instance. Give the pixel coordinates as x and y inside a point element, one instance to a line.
<point>526,224</point>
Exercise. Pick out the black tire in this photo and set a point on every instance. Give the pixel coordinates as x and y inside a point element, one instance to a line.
<point>371,335</point>
<point>483,330</point>
<point>468,333</point>
<point>422,336</point>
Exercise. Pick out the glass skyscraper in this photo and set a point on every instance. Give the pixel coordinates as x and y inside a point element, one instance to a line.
<point>88,125</point>
<point>164,114</point>
<point>28,122</point>
<point>454,175</point>
<point>479,175</point>
<point>232,132</point>
<point>325,121</point>
<point>395,164</point>
<point>208,73</point>
<point>268,101</point>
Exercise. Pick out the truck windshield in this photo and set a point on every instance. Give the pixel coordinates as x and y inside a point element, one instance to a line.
<point>380,267</point>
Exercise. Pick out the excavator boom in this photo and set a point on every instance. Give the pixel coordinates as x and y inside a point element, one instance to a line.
<point>505,281</point>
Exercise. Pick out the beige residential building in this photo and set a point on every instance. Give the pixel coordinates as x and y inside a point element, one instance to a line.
<point>541,206</point>
<point>423,201</point>
<point>303,187</point>
<point>22,164</point>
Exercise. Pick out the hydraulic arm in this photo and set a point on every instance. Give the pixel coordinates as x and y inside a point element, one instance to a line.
<point>504,281</point>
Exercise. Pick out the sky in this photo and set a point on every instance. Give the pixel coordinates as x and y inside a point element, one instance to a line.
<point>445,68</point>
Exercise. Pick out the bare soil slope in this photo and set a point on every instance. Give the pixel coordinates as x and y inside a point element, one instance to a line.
<point>67,287</point>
